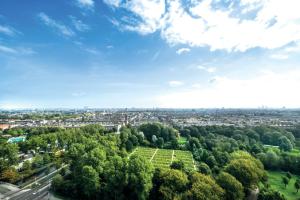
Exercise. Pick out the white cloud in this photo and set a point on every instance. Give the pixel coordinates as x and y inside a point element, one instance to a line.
<point>61,28</point>
<point>92,51</point>
<point>293,49</point>
<point>17,50</point>
<point>149,15</point>
<point>267,88</point>
<point>286,52</point>
<point>7,30</point>
<point>79,25</point>
<point>197,85</point>
<point>207,69</point>
<point>240,26</point>
<point>175,83</point>
<point>183,50</point>
<point>86,3</point>
<point>6,49</point>
<point>278,56</point>
<point>114,3</point>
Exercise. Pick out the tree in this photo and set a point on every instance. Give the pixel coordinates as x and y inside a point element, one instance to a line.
<point>38,161</point>
<point>204,169</point>
<point>270,159</point>
<point>204,187</point>
<point>285,144</point>
<point>160,142</point>
<point>57,182</point>
<point>154,138</point>
<point>211,161</point>
<point>10,175</point>
<point>124,135</point>
<point>297,185</point>
<point>245,168</point>
<point>193,143</point>
<point>96,158</point>
<point>234,190</point>
<point>289,175</point>
<point>8,155</point>
<point>89,181</point>
<point>174,144</point>
<point>26,165</point>
<point>115,176</point>
<point>140,173</point>
<point>151,129</point>
<point>269,194</point>
<point>177,165</point>
<point>172,183</point>
<point>129,145</point>
<point>285,181</point>
<point>134,139</point>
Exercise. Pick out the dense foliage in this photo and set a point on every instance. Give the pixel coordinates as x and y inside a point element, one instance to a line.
<point>230,161</point>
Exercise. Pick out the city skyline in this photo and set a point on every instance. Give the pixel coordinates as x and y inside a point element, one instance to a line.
<point>168,54</point>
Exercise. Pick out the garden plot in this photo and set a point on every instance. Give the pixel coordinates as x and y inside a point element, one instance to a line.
<point>163,158</point>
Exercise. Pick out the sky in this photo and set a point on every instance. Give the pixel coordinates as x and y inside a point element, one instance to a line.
<point>149,53</point>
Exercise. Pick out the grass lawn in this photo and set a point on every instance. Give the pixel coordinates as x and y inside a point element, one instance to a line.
<point>295,152</point>
<point>275,181</point>
<point>182,140</point>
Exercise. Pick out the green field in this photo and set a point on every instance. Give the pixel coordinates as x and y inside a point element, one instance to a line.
<point>162,158</point>
<point>186,157</point>
<point>275,181</point>
<point>182,140</point>
<point>295,151</point>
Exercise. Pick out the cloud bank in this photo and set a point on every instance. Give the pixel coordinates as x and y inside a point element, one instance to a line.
<point>219,25</point>
<point>268,88</point>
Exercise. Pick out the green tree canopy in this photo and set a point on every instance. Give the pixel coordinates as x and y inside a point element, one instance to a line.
<point>234,190</point>
<point>245,168</point>
<point>203,187</point>
<point>140,173</point>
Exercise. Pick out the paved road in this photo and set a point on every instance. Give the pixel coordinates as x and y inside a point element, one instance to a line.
<point>39,192</point>
<point>47,177</point>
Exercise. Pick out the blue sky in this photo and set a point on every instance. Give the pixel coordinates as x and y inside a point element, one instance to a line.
<point>149,53</point>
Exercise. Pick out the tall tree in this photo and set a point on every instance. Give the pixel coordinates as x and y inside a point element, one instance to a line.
<point>115,177</point>
<point>297,185</point>
<point>172,184</point>
<point>285,181</point>
<point>245,168</point>
<point>234,190</point>
<point>89,181</point>
<point>203,187</point>
<point>285,144</point>
<point>140,173</point>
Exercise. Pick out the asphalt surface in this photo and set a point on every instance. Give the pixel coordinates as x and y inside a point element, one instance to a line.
<point>38,193</point>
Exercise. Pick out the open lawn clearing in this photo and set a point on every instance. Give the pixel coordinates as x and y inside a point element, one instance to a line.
<point>295,151</point>
<point>182,140</point>
<point>275,181</point>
